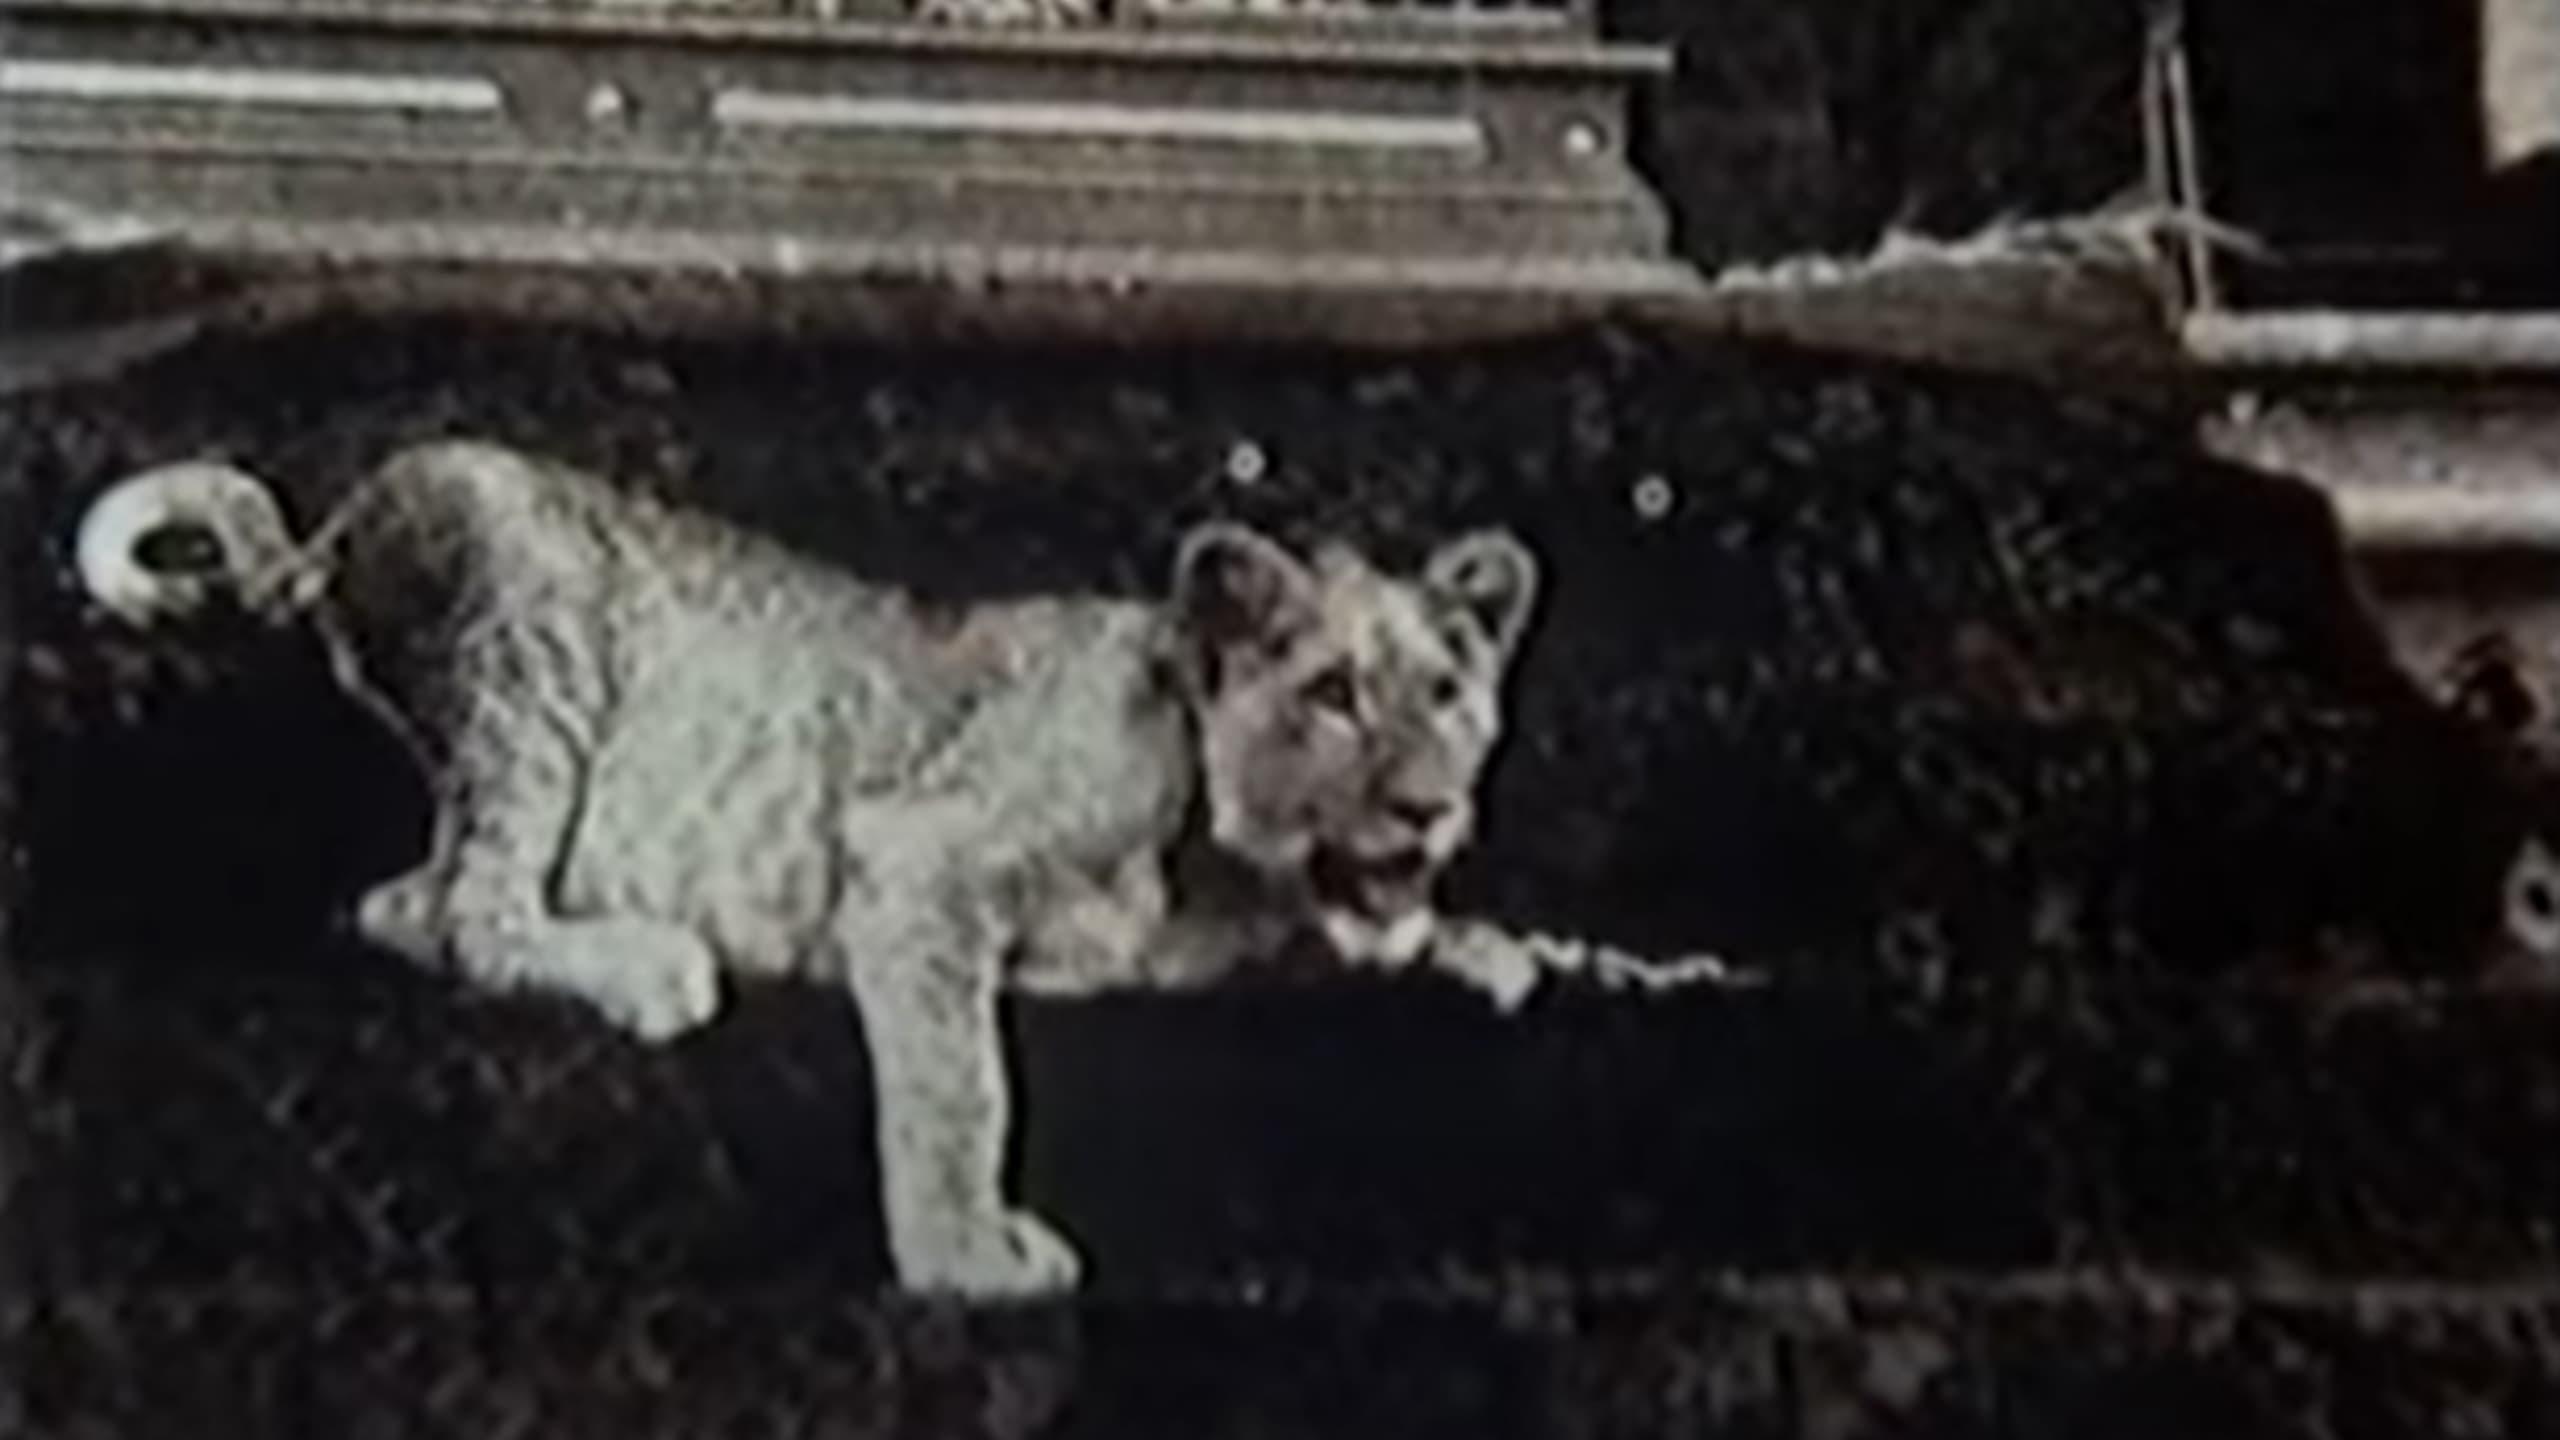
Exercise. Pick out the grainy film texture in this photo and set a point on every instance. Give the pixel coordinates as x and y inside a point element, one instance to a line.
<point>1189,718</point>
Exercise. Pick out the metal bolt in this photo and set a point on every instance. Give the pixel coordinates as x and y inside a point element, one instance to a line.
<point>1584,139</point>
<point>1246,462</point>
<point>607,105</point>
<point>1652,497</point>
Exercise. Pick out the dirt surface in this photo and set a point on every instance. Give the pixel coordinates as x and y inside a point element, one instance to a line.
<point>1819,1359</point>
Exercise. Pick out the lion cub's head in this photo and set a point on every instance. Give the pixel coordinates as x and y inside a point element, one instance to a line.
<point>1345,717</point>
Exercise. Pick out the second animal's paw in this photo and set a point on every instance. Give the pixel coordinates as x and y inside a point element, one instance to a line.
<point>1505,970</point>
<point>652,979</point>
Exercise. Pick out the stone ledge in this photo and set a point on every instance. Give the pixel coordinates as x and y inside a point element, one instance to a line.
<point>1818,1357</point>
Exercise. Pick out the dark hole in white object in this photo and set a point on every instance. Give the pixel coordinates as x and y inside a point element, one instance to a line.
<point>180,550</point>
<point>2539,902</point>
<point>2493,690</point>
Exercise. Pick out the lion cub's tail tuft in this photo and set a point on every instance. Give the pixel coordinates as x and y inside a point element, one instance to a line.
<point>175,541</point>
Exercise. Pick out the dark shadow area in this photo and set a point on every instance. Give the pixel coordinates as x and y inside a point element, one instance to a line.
<point>1816,125</point>
<point>2349,138</point>
<point>2518,246</point>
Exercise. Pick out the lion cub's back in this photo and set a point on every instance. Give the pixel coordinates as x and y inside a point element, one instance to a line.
<point>745,721</point>
<point>736,701</point>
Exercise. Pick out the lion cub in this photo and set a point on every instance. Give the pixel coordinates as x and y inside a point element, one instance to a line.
<point>661,748</point>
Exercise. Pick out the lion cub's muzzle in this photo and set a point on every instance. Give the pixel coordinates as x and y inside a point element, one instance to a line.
<point>1374,899</point>
<point>1376,887</point>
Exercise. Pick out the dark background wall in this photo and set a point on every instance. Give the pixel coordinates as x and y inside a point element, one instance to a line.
<point>2350,140</point>
<point>2346,136</point>
<point>1798,125</point>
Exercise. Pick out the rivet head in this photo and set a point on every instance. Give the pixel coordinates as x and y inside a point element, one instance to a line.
<point>1583,139</point>
<point>1247,462</point>
<point>607,105</point>
<point>1652,497</point>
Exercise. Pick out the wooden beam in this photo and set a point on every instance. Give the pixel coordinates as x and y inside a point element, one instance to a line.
<point>2443,341</point>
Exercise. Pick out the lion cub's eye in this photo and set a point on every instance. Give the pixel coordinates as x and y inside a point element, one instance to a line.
<point>1331,690</point>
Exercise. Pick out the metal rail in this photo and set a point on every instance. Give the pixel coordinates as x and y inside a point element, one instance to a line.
<point>2518,109</point>
<point>1403,42</point>
<point>1425,142</point>
<point>2478,342</point>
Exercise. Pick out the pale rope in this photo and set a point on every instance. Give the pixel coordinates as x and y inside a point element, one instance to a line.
<point>1510,966</point>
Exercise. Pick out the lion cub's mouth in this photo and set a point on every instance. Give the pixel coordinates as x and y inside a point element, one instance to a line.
<point>1375,887</point>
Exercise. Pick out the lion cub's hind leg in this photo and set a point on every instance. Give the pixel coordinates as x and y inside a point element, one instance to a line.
<point>508,792</point>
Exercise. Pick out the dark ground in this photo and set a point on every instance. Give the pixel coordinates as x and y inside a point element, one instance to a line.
<point>2049,766</point>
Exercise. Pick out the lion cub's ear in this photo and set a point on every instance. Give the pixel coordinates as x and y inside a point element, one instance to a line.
<point>1490,576</point>
<point>1232,588</point>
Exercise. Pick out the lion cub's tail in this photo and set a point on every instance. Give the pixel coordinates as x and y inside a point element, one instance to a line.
<point>175,541</point>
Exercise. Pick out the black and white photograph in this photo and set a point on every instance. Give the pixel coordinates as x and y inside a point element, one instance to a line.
<point>1280,719</point>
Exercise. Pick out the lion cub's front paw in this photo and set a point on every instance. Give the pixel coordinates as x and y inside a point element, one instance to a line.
<point>1017,1258</point>
<point>1043,1259</point>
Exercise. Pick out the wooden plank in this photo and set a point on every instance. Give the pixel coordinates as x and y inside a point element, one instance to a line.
<point>2459,341</point>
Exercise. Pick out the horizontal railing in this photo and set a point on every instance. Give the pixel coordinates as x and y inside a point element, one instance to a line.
<point>1348,20</point>
<point>1428,16</point>
<point>1449,14</point>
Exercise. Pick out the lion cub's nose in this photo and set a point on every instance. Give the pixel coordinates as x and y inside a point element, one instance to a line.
<point>1421,813</point>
